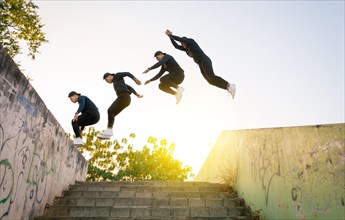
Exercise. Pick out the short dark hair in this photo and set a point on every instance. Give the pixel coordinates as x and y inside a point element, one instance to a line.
<point>106,75</point>
<point>73,93</point>
<point>158,52</point>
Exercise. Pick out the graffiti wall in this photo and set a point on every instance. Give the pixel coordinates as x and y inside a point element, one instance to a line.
<point>284,173</point>
<point>37,159</point>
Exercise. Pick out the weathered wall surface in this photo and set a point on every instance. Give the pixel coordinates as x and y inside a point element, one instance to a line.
<point>37,159</point>
<point>289,173</point>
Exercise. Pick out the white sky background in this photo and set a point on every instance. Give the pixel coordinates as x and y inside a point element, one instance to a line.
<point>286,58</point>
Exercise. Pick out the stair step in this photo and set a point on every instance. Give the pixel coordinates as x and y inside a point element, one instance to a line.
<point>150,188</point>
<point>148,183</point>
<point>139,194</point>
<point>142,218</point>
<point>105,201</point>
<point>144,211</point>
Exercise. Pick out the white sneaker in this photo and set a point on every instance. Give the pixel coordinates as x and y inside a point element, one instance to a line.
<point>78,142</point>
<point>232,90</point>
<point>103,137</point>
<point>179,94</point>
<point>105,134</point>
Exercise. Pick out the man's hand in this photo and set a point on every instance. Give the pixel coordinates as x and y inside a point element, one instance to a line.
<point>168,32</point>
<point>139,96</point>
<point>147,82</point>
<point>147,70</point>
<point>75,118</point>
<point>137,81</point>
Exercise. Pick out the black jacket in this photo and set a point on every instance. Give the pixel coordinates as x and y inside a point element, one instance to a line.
<point>86,105</point>
<point>169,64</point>
<point>119,83</point>
<point>193,50</point>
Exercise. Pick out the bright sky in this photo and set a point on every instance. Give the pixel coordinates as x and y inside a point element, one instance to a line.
<point>286,58</point>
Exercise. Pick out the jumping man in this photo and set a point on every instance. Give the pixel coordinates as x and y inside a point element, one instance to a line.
<point>89,115</point>
<point>170,82</point>
<point>205,64</point>
<point>123,92</point>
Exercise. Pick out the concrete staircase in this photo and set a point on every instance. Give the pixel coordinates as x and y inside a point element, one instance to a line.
<point>147,200</point>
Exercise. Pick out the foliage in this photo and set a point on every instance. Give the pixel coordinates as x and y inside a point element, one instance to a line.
<point>229,175</point>
<point>255,214</point>
<point>19,21</point>
<point>117,160</point>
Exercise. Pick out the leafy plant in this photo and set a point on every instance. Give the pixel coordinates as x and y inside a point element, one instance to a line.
<point>254,214</point>
<point>19,21</point>
<point>229,175</point>
<point>117,160</point>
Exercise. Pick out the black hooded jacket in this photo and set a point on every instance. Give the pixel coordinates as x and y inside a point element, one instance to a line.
<point>193,50</point>
<point>169,64</point>
<point>119,83</point>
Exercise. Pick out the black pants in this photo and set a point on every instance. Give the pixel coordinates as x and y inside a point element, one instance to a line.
<point>85,119</point>
<point>123,100</point>
<point>206,69</point>
<point>171,80</point>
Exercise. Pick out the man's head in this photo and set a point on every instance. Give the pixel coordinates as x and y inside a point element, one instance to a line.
<point>108,77</point>
<point>159,55</point>
<point>73,96</point>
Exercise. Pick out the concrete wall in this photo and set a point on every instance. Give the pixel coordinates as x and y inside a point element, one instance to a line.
<point>37,159</point>
<point>289,173</point>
